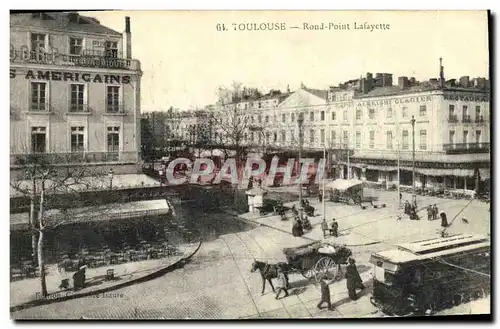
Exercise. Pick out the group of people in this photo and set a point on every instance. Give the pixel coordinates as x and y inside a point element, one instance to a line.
<point>333,229</point>
<point>299,225</point>
<point>411,210</point>
<point>432,212</point>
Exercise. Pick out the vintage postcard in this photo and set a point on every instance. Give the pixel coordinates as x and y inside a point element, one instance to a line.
<point>249,164</point>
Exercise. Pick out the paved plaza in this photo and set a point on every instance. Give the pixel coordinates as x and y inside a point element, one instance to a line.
<point>217,283</point>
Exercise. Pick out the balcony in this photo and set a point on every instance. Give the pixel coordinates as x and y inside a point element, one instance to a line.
<point>466,119</point>
<point>466,148</point>
<point>479,119</point>
<point>24,55</point>
<point>72,158</point>
<point>79,109</point>
<point>112,109</point>
<point>452,119</point>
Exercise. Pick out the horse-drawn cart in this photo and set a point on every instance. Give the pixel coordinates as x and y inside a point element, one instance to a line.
<point>316,259</point>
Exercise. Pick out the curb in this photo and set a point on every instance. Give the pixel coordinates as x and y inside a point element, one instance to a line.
<point>162,271</point>
<point>304,237</point>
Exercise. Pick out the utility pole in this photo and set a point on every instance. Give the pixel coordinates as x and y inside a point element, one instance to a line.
<point>153,139</point>
<point>300,122</point>
<point>348,164</point>
<point>413,156</point>
<point>323,193</point>
<point>399,179</point>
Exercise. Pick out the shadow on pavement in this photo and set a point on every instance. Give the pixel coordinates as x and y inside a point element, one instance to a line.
<point>368,284</point>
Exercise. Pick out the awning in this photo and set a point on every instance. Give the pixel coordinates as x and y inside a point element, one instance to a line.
<point>484,173</point>
<point>100,213</point>
<point>422,157</point>
<point>343,184</point>
<point>445,172</point>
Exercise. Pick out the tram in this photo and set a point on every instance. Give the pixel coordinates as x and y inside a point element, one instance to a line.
<point>426,276</point>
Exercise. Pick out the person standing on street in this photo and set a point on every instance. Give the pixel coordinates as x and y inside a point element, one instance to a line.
<point>435,212</point>
<point>325,294</point>
<point>283,284</point>
<point>430,212</point>
<point>324,228</point>
<point>353,279</point>
<point>320,197</point>
<point>444,220</point>
<point>334,230</point>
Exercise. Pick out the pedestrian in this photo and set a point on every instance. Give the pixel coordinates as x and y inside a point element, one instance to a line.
<point>444,219</point>
<point>353,279</point>
<point>334,230</point>
<point>435,212</point>
<point>400,196</point>
<point>407,207</point>
<point>430,212</point>
<point>320,197</point>
<point>325,294</point>
<point>297,227</point>
<point>283,283</point>
<point>324,228</point>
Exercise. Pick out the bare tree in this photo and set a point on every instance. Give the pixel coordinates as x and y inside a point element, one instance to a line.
<point>44,182</point>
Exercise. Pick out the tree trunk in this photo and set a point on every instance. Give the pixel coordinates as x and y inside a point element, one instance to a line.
<point>32,225</point>
<point>41,265</point>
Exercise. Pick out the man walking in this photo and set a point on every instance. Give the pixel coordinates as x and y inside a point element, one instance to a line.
<point>324,228</point>
<point>353,279</point>
<point>430,212</point>
<point>283,284</point>
<point>325,294</point>
<point>435,212</point>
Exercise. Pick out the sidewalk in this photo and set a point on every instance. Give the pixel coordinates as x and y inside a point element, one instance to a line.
<point>26,292</point>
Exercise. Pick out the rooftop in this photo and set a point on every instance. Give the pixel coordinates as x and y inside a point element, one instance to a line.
<point>61,21</point>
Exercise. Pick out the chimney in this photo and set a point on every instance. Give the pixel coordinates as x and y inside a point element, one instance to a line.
<point>368,83</point>
<point>464,82</point>
<point>403,83</point>
<point>441,73</point>
<point>127,39</point>
<point>386,80</point>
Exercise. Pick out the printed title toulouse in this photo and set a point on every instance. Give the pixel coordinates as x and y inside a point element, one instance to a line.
<point>254,167</point>
<point>72,76</point>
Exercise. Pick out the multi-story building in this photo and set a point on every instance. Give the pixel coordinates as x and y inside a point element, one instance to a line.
<point>74,91</point>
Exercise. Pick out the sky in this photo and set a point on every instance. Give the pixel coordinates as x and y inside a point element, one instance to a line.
<point>184,58</point>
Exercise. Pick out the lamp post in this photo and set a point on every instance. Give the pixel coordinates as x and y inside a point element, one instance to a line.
<point>323,193</point>
<point>300,122</point>
<point>413,156</point>
<point>399,180</point>
<point>110,175</point>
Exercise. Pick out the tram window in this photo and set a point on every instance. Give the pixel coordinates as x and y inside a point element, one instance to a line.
<point>417,277</point>
<point>389,278</point>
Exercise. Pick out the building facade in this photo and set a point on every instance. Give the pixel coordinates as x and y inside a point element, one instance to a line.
<point>74,91</point>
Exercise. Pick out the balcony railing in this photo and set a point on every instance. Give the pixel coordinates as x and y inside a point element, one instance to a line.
<point>466,119</point>
<point>466,148</point>
<point>479,119</point>
<point>115,109</point>
<point>87,59</point>
<point>72,158</point>
<point>79,108</point>
<point>452,118</point>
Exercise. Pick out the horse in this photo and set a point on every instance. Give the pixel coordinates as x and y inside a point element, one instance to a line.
<point>268,272</point>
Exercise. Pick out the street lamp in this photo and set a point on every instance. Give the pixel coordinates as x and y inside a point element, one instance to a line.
<point>300,122</point>
<point>110,175</point>
<point>413,156</point>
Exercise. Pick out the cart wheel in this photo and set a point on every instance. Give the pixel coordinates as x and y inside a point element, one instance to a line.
<point>326,266</point>
<point>309,274</point>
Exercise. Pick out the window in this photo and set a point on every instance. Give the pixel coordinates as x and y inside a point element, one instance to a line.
<point>252,136</point>
<point>292,136</point>
<point>77,98</point>
<point>311,116</point>
<point>311,135</point>
<point>451,138</point>
<point>112,49</point>
<point>283,118</point>
<point>478,136</point>
<point>405,111</point>
<point>465,113</point>
<point>38,41</point>
<point>260,105</point>
<point>372,139</point>
<point>267,119</point>
<point>113,139</point>
<point>38,139</point>
<point>466,136</point>
<point>113,101</point>
<point>423,110</point>
<point>344,115</point>
<point>334,115</point>
<point>283,136</point>
<point>334,137</point>
<point>75,46</point>
<point>423,139</point>
<point>389,140</point>
<point>322,115</point>
<point>260,118</point>
<point>451,112</point>
<point>358,114</point>
<point>38,96</point>
<point>346,138</point>
<point>358,139</point>
<point>259,138</point>
<point>333,98</point>
<point>77,134</point>
<point>478,113</point>
<point>292,117</point>
<point>405,140</point>
<point>371,114</point>
<point>389,113</point>
<point>322,136</point>
<point>275,137</point>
